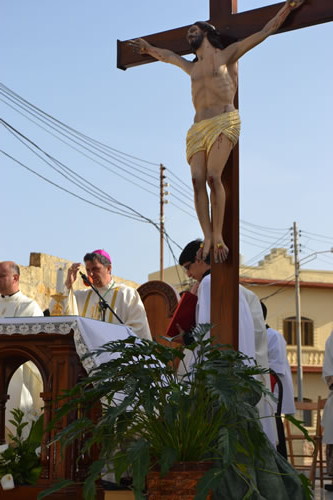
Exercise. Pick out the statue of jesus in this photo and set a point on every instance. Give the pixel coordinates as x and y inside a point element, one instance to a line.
<point>216,126</point>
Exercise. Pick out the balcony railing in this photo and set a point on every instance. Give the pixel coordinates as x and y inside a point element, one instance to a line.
<point>310,356</point>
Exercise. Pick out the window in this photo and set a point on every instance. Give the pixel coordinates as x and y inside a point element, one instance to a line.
<point>289,331</point>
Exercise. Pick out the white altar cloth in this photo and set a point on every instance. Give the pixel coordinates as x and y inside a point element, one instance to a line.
<point>89,334</point>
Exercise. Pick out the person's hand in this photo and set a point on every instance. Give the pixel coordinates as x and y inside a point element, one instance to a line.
<point>195,287</point>
<point>294,4</point>
<point>72,274</point>
<point>139,45</point>
<point>180,330</point>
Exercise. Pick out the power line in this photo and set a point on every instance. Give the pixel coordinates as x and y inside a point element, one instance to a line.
<point>17,133</point>
<point>265,228</point>
<point>71,129</point>
<point>62,188</point>
<point>99,156</point>
<point>77,137</point>
<point>263,252</point>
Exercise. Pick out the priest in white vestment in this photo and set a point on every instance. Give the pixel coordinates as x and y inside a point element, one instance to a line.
<point>125,301</point>
<point>26,384</point>
<point>278,361</point>
<point>327,420</point>
<point>252,337</point>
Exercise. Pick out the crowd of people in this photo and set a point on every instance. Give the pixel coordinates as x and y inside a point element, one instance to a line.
<point>125,306</point>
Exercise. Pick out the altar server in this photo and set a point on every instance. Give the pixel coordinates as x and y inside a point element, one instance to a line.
<point>26,384</point>
<point>327,420</point>
<point>278,361</point>
<point>252,337</point>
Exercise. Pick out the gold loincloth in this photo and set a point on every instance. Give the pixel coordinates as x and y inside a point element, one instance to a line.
<point>202,135</point>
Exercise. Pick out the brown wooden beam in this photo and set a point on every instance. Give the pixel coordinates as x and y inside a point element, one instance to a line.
<point>237,25</point>
<point>243,24</point>
<point>221,8</point>
<point>174,40</point>
<point>225,277</point>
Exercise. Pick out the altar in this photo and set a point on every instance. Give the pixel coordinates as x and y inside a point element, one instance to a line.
<point>55,345</point>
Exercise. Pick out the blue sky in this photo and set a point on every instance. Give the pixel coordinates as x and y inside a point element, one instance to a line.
<point>61,57</point>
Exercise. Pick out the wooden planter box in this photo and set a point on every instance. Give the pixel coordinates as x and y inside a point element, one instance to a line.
<point>31,492</point>
<point>179,484</point>
<point>118,495</point>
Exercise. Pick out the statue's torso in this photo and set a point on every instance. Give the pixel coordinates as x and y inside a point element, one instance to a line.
<point>214,85</point>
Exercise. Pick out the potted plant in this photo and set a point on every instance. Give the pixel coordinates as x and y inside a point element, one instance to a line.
<point>20,459</point>
<point>153,423</point>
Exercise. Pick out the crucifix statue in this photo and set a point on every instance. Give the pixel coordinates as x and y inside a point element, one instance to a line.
<point>211,141</point>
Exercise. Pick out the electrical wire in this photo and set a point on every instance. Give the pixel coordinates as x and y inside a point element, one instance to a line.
<point>263,252</point>
<point>70,177</point>
<point>99,156</point>
<point>265,228</point>
<point>45,118</point>
<point>62,188</point>
<point>67,127</point>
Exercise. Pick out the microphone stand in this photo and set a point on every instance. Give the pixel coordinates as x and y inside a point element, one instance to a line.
<point>102,302</point>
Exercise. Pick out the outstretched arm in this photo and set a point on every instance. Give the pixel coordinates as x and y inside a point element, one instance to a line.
<point>236,50</point>
<point>143,47</point>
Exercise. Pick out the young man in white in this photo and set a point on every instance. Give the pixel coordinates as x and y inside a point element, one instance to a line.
<point>252,337</point>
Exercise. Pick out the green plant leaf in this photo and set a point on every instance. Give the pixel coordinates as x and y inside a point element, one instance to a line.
<point>298,423</point>
<point>208,482</point>
<point>89,485</point>
<point>36,431</point>
<point>167,459</point>
<point>138,455</point>
<point>150,416</point>
<point>63,483</point>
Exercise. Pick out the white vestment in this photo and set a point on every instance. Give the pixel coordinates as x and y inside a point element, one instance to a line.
<point>252,340</point>
<point>278,361</point>
<point>246,338</point>
<point>265,406</point>
<point>18,306</point>
<point>26,384</point>
<point>246,341</point>
<point>124,300</point>
<point>327,420</point>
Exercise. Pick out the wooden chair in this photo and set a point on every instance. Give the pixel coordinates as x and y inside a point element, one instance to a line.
<point>281,446</point>
<point>160,301</point>
<point>303,454</point>
<point>319,462</point>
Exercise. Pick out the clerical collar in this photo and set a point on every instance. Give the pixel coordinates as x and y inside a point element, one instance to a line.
<point>10,295</point>
<point>108,287</point>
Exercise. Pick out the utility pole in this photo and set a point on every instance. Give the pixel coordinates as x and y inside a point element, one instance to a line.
<point>298,316</point>
<point>162,203</point>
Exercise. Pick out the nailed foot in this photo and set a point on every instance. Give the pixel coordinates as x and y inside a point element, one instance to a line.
<point>221,251</point>
<point>204,249</point>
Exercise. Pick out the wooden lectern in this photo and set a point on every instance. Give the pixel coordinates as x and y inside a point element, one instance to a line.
<point>55,356</point>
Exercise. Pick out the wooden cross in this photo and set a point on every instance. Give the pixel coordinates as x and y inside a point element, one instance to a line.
<point>223,15</point>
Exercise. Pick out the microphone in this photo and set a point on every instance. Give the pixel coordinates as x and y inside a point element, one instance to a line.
<point>87,281</point>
